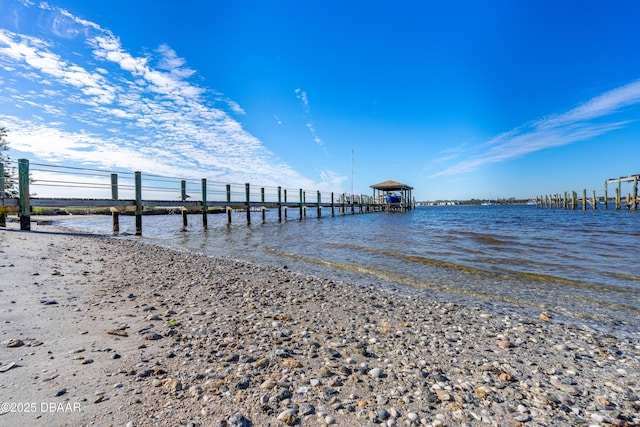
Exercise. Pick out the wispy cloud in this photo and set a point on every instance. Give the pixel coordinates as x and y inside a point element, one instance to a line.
<point>591,119</point>
<point>79,95</point>
<point>304,100</point>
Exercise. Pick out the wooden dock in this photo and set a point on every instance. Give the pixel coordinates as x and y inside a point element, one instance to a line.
<point>212,195</point>
<point>571,200</point>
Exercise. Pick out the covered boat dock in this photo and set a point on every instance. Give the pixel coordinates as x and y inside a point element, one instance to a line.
<point>393,196</point>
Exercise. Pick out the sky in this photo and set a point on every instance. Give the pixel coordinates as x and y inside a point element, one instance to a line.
<point>460,100</point>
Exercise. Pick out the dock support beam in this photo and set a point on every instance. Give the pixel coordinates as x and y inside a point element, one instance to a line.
<point>229,202</point>
<point>138,193</point>
<point>279,204</point>
<point>263,209</point>
<point>634,202</point>
<point>247,192</point>
<point>115,215</point>
<point>205,207</point>
<point>300,203</point>
<point>319,208</point>
<point>183,197</point>
<point>23,184</point>
<point>3,217</point>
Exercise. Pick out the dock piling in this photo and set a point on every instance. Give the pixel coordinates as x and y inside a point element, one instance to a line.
<point>205,208</point>
<point>115,215</point>
<point>138,195</point>
<point>3,217</point>
<point>23,186</point>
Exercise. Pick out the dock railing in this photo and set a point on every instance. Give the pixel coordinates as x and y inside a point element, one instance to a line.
<point>62,187</point>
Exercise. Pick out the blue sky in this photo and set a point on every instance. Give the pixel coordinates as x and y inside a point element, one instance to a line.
<point>458,99</point>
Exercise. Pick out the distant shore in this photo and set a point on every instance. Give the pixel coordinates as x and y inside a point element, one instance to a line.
<point>101,330</point>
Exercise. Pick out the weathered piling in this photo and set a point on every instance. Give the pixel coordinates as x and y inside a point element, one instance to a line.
<point>3,217</point>
<point>138,202</point>
<point>115,215</point>
<point>23,186</point>
<point>205,206</point>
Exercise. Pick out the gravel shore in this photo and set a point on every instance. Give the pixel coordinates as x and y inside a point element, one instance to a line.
<point>111,331</point>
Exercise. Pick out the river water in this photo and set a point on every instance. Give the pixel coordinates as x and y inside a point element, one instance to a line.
<point>578,266</point>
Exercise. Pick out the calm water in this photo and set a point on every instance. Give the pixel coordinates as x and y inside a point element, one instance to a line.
<point>581,267</point>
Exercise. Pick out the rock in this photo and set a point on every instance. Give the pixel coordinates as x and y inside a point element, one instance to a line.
<point>288,417</point>
<point>375,373</point>
<point>238,420</point>
<point>13,342</point>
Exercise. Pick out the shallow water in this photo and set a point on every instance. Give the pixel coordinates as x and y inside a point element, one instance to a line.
<point>581,266</point>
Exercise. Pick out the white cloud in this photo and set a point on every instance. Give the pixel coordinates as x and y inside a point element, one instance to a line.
<point>101,105</point>
<point>589,120</point>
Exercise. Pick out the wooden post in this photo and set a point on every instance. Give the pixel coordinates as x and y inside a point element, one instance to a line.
<point>584,199</point>
<point>264,210</point>
<point>353,206</point>
<point>564,201</point>
<point>23,186</point>
<point>183,197</point>
<point>342,207</point>
<point>115,215</point>
<point>3,217</point>
<point>304,200</point>
<point>606,196</point>
<point>285,201</point>
<point>279,204</point>
<point>247,192</point>
<point>138,193</point>
<point>205,207</point>
<point>300,199</point>
<point>574,201</point>
<point>618,196</point>
<point>634,202</point>
<point>229,203</point>
<point>333,212</point>
<point>595,201</point>
<point>319,208</point>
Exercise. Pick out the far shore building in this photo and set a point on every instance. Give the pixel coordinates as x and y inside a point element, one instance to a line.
<point>393,196</point>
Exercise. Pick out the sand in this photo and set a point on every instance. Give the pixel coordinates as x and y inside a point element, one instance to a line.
<point>111,331</point>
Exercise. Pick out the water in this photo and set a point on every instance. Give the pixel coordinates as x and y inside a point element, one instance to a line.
<point>581,267</point>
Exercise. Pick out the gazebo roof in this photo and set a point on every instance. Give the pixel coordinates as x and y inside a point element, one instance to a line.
<point>391,186</point>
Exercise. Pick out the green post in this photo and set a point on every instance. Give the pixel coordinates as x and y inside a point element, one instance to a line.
<point>115,215</point>
<point>595,201</point>
<point>618,195</point>
<point>183,197</point>
<point>606,196</point>
<point>229,204</point>
<point>634,202</point>
<point>574,201</point>
<point>584,199</point>
<point>285,200</point>
<point>279,204</point>
<point>300,203</point>
<point>247,192</point>
<point>138,186</point>
<point>3,217</point>
<point>333,212</point>
<point>23,185</point>
<point>319,208</point>
<point>264,210</point>
<point>205,207</point>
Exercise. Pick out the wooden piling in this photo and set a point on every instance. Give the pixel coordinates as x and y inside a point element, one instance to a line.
<point>248,202</point>
<point>3,217</point>
<point>333,213</point>
<point>584,199</point>
<point>229,202</point>
<point>634,202</point>
<point>205,207</point>
<point>115,215</point>
<point>300,199</point>
<point>619,196</point>
<point>279,204</point>
<point>23,187</point>
<point>138,194</point>
<point>318,203</point>
<point>183,197</point>
<point>285,201</point>
<point>595,200</point>
<point>263,209</point>
<point>606,196</point>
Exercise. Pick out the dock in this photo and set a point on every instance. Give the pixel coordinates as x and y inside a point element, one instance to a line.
<point>122,193</point>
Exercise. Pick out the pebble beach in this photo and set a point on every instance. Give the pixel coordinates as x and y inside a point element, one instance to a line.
<point>112,331</point>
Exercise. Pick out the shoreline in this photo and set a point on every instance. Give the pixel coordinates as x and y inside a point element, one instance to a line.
<point>206,340</point>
